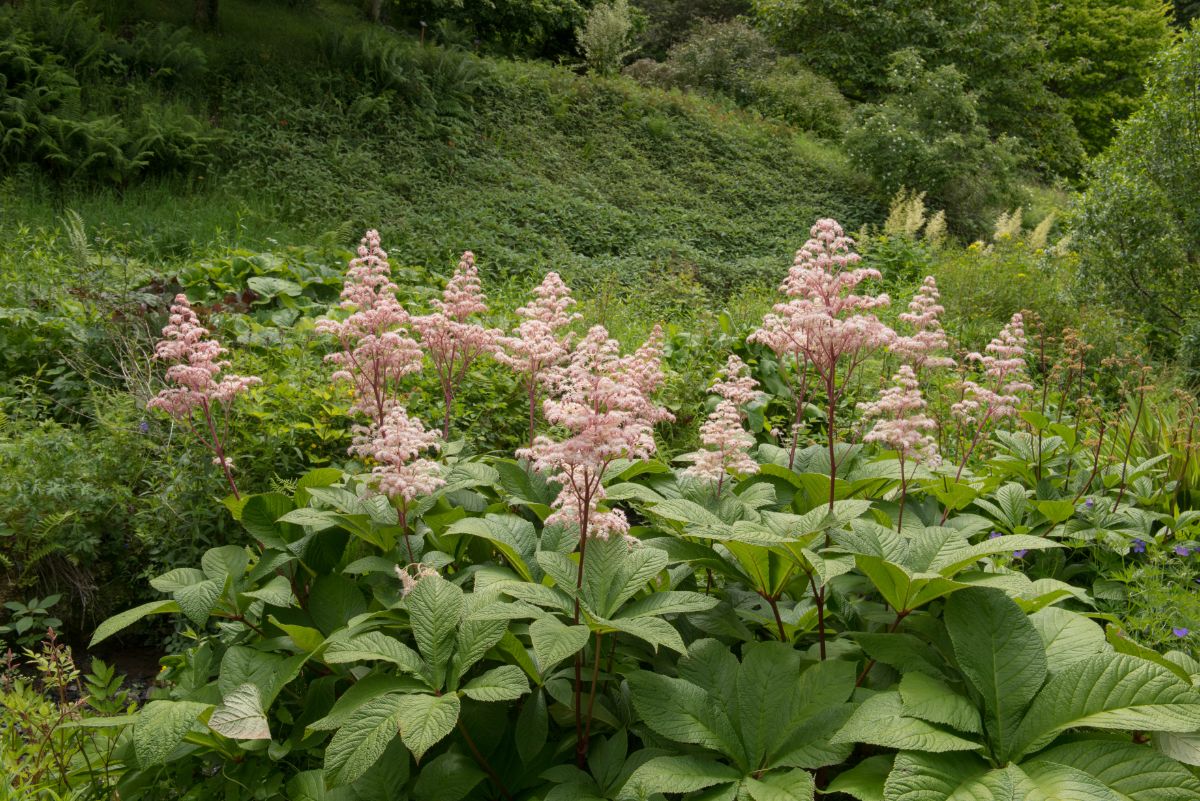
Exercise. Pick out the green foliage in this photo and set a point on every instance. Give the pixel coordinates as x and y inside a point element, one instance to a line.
<point>28,620</point>
<point>606,37</point>
<point>929,136</point>
<point>1141,208</point>
<point>801,98</point>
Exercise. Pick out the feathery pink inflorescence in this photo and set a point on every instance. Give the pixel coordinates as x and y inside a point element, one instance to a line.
<point>196,369</point>
<point>395,447</point>
<point>726,443</point>
<point>1004,364</point>
<point>453,344</point>
<point>377,350</point>
<point>923,312</point>
<point>900,418</point>
<point>825,320</point>
<point>603,399</point>
<point>539,342</point>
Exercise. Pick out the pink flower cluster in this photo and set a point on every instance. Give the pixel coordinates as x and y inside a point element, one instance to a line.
<point>900,419</point>
<point>825,321</point>
<point>196,367</point>
<point>377,351</point>
<point>726,443</point>
<point>396,447</point>
<point>452,343</point>
<point>923,312</point>
<point>1004,366</point>
<point>605,401</point>
<point>540,342</point>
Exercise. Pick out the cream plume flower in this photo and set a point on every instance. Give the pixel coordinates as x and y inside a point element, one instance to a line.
<point>900,419</point>
<point>727,443</point>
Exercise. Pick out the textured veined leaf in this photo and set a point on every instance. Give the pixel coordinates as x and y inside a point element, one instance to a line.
<point>1002,656</point>
<point>362,739</point>
<point>1109,691</point>
<point>681,711</point>
<point>792,785</point>
<point>1131,772</point>
<point>1065,783</point>
<point>513,536</point>
<point>374,646</point>
<point>448,777</point>
<point>956,777</point>
<point>880,721</point>
<point>667,603</point>
<point>240,715</point>
<point>653,630</point>
<point>435,607</point>
<point>160,728</point>
<point>425,720</point>
<point>680,774</point>
<point>929,699</point>
<point>1068,637</point>
<point>685,511</point>
<point>865,780</point>
<point>177,579</point>
<point>554,641</point>
<point>505,683</point>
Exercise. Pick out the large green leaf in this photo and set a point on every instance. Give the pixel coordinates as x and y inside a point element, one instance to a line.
<point>792,785</point>
<point>679,774</point>
<point>880,720</point>
<point>681,711</point>
<point>447,777</point>
<point>131,616</point>
<point>505,683</point>
<point>435,607</point>
<point>1133,772</point>
<point>240,715</point>
<point>425,720</point>
<point>1002,656</point>
<point>903,589</point>
<point>956,777</point>
<point>653,630</point>
<point>372,646</point>
<point>362,739</point>
<point>514,537</point>
<point>160,728</point>
<point>553,641</point>
<point>1109,691</point>
<point>927,698</point>
<point>865,780</point>
<point>1067,637</point>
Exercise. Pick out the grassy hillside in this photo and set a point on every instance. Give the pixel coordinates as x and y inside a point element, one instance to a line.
<point>326,124</point>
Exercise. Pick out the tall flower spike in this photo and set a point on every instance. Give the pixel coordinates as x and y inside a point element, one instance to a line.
<point>540,342</point>
<point>602,401</point>
<point>727,443</point>
<point>900,424</point>
<point>377,350</point>
<point>825,323</point>
<point>1003,363</point>
<point>198,385</point>
<point>928,337</point>
<point>452,343</point>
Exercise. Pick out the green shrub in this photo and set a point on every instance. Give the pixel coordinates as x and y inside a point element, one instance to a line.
<point>606,37</point>
<point>802,99</point>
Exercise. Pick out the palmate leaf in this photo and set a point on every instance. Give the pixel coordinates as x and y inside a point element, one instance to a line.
<point>956,777</point>
<point>1109,691</point>
<point>904,590</point>
<point>1002,656</point>
<point>682,711</point>
<point>1131,772</point>
<point>374,646</point>
<point>554,641</point>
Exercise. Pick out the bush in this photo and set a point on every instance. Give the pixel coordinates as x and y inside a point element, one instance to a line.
<point>801,98</point>
<point>928,136</point>
<point>606,37</point>
<point>724,57</point>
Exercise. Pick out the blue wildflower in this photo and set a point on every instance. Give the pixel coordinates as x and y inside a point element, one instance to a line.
<point>1180,632</point>
<point>1138,546</point>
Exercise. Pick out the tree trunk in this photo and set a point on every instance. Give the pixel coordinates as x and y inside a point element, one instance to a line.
<point>376,10</point>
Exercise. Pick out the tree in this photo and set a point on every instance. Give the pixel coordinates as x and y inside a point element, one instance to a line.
<point>1138,222</point>
<point>1100,53</point>
<point>205,15</point>
<point>606,37</point>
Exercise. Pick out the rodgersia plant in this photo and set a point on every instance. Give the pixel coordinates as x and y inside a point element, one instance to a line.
<point>826,325</point>
<point>540,342</point>
<point>920,349</point>
<point>377,351</point>
<point>726,442</point>
<point>982,405</point>
<point>453,343</point>
<point>200,393</point>
<point>900,426</point>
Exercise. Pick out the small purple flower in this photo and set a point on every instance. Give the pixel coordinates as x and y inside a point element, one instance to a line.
<point>1182,550</point>
<point>1180,632</point>
<point>994,535</point>
<point>1020,554</point>
<point>1089,503</point>
<point>144,427</point>
<point>1138,546</point>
